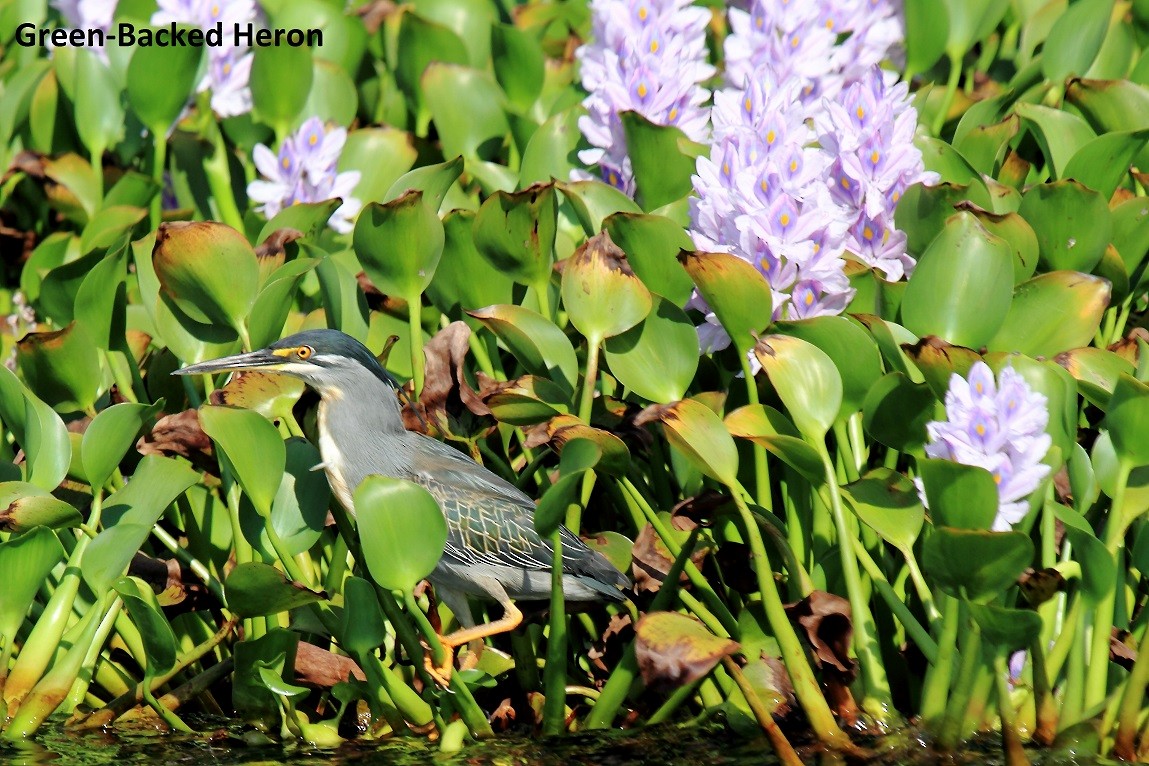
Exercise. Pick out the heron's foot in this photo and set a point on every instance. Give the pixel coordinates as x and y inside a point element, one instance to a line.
<point>474,652</point>
<point>440,674</point>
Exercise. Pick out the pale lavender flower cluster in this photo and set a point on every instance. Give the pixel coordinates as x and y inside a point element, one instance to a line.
<point>88,15</point>
<point>869,132</point>
<point>647,56</point>
<point>762,196</point>
<point>305,171</point>
<point>999,426</point>
<point>229,65</point>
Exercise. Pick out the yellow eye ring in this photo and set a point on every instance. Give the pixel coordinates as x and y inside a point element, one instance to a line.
<point>304,352</point>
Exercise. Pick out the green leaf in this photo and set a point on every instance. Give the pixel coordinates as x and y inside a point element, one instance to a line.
<point>601,294</point>
<point>961,496</point>
<point>1052,313</point>
<point>1021,238</point>
<point>275,300</point>
<point>515,232</point>
<point>1006,629</point>
<point>1127,420</point>
<point>159,640</point>
<point>983,144</point>
<point>970,22</point>
<point>888,503</point>
<point>961,287</point>
<point>519,65</point>
<point>652,244</point>
<point>308,218</point>
<point>593,201</point>
<point>208,270</point>
<point>25,562</point>
<point>26,506</point>
<point>1060,134</point>
<point>657,358</point>
<point>299,512</point>
<point>771,429</point>
<point>551,151</point>
<point>467,107</point>
<point>333,97</point>
<point>535,341</point>
<point>1072,224</point>
<point>529,400</point>
<point>280,82</point>
<point>700,436</point>
<point>1104,162</point>
<point>465,280</point>
<point>402,530</point>
<point>381,155</point>
<point>252,448</point>
<point>805,379</point>
<point>108,225</point>
<point>129,516</point>
<point>953,168</point>
<point>160,80</point>
<point>852,350</point>
<point>399,244</point>
<point>1096,371</point>
<point>1098,568</point>
<point>362,628</point>
<point>974,564</point>
<point>926,34</point>
<point>99,118</point>
<point>737,292</point>
<point>432,180</point>
<point>923,210</point>
<point>1075,39</point>
<point>421,42</point>
<point>39,430</point>
<point>63,367</point>
<point>254,589</point>
<point>663,160</point>
<point>896,410</point>
<point>110,435</point>
<point>553,505</point>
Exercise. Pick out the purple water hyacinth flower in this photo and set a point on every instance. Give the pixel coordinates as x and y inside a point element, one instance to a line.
<point>88,15</point>
<point>647,56</point>
<point>304,170</point>
<point>999,426</point>
<point>869,132</point>
<point>229,65</point>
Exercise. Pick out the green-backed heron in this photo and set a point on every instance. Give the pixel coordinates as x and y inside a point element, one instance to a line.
<point>492,548</point>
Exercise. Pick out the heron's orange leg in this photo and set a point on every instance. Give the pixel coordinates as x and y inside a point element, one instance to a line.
<point>510,620</point>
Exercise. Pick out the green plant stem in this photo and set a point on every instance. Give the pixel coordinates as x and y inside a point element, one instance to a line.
<point>1131,703</point>
<point>914,629</point>
<point>590,380</point>
<point>159,160</point>
<point>169,717</point>
<point>1011,741</point>
<point>673,702</point>
<point>925,595</point>
<point>555,672</point>
<point>958,703</point>
<point>806,687</point>
<point>936,688</point>
<point>415,327</point>
<point>542,290</point>
<point>87,668</point>
<point>951,91</point>
<point>1097,672</point>
<point>782,747</point>
<point>762,494</point>
<point>219,178</point>
<point>846,451</point>
<point>876,700</point>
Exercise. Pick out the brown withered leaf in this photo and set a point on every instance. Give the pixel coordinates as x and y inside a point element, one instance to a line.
<point>272,252</point>
<point>1040,585</point>
<point>651,559</point>
<point>176,589</point>
<point>321,669</point>
<point>829,628</point>
<point>503,717</point>
<point>1124,654</point>
<point>617,632</point>
<point>179,434</point>
<point>443,374</point>
<point>675,650</point>
<point>1126,348</point>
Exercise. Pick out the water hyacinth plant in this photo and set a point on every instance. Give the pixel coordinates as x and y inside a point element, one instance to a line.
<point>898,490</point>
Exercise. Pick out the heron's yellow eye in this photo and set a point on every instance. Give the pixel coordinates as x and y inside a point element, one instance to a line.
<point>304,352</point>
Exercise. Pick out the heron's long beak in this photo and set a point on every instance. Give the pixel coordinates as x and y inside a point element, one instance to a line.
<point>253,360</point>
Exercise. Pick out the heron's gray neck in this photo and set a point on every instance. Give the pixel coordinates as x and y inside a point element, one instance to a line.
<point>358,405</point>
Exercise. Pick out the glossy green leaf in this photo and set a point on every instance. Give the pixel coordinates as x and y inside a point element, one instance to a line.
<point>960,496</point>
<point>1061,134</point>
<point>652,244</point>
<point>273,67</point>
<point>433,180</point>
<point>110,435</point>
<point>1104,162</point>
<point>515,232</point>
<point>551,151</point>
<point>254,589</point>
<point>974,564</point>
<point>1127,420</point>
<point>953,168</point>
<point>26,506</point>
<point>553,505</point>
<point>960,290</point>
<point>519,65</point>
<point>399,244</point>
<point>939,361</point>
<point>983,144</point>
<point>529,400</point>
<point>421,42</point>
<point>160,80</point>
<point>1098,568</point>
<point>1075,39</point>
<point>1111,105</point>
<point>275,300</point>
<point>926,35</point>
<point>402,531</point>
<point>299,511</point>
<point>253,449</point>
<point>1006,629</point>
<point>99,118</point>
<point>381,155</point>
<point>888,503</point>
<point>971,21</point>
<point>309,218</point>
<point>771,429</point>
<point>1096,371</point>
<point>535,341</point>
<point>601,293</point>
<point>657,358</point>
<point>896,410</point>
<point>465,280</point>
<point>851,349</point>
<point>1052,313</point>
<point>332,97</point>
<point>805,379</point>
<point>593,201</point>
<point>62,367</point>
<point>101,301</point>
<point>736,291</point>
<point>1131,233</point>
<point>39,430</point>
<point>362,628</point>
<point>923,210</point>
<point>663,160</point>
<point>1072,224</point>
<point>130,514</point>
<point>159,640</point>
<point>25,562</point>
<point>208,270</point>
<point>467,107</point>
<point>700,436</point>
<point>108,225</point>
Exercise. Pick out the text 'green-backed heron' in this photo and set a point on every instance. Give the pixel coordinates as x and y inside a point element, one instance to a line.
<point>492,548</point>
